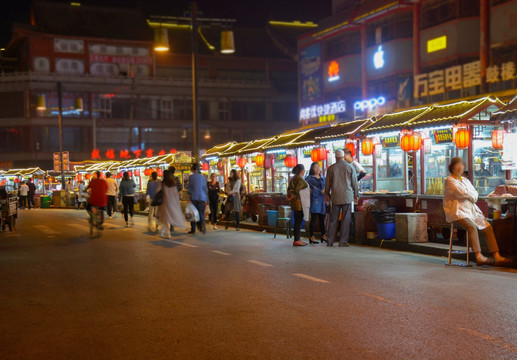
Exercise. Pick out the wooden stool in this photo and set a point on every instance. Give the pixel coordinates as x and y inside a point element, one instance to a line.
<point>458,252</point>
<point>287,222</point>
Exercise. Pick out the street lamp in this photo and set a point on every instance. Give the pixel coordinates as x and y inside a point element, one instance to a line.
<point>192,20</point>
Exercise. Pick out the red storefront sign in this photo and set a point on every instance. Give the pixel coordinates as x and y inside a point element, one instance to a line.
<point>138,60</point>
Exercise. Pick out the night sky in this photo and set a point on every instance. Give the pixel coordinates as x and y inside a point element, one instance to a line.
<point>247,12</point>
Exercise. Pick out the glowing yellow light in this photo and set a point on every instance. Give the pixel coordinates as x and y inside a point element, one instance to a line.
<point>308,24</point>
<point>437,44</point>
<point>75,4</point>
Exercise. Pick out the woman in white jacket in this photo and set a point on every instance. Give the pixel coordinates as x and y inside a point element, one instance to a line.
<point>459,204</point>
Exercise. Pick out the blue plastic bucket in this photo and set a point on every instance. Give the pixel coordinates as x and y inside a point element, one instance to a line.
<point>272,217</point>
<point>386,231</point>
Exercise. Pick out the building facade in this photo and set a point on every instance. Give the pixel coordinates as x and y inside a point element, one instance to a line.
<point>375,56</point>
<point>120,99</point>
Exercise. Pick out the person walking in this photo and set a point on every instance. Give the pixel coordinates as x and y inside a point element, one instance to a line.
<point>341,187</point>
<point>83,195</point>
<point>179,185</point>
<point>127,194</point>
<point>296,184</point>
<point>111,194</point>
<point>98,197</point>
<point>213,199</point>
<point>31,193</point>
<point>152,186</point>
<point>24,192</point>
<point>169,212</point>
<point>318,207</point>
<point>233,206</point>
<point>197,191</point>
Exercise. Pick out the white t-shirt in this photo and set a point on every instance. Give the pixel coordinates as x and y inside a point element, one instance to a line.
<point>24,190</point>
<point>112,187</point>
<point>358,168</point>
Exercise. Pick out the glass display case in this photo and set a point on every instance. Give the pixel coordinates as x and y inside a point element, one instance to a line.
<point>487,168</point>
<point>390,169</point>
<point>366,183</point>
<point>437,159</point>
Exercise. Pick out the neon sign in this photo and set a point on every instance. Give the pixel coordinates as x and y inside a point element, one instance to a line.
<point>314,111</point>
<point>333,71</point>
<point>437,44</point>
<point>378,58</point>
<point>369,104</point>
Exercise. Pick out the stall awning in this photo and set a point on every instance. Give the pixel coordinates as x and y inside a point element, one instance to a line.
<point>289,141</point>
<point>255,146</point>
<point>393,121</point>
<point>507,112</point>
<point>234,149</point>
<point>24,172</point>
<point>343,130</point>
<point>218,149</point>
<point>455,113</point>
<point>97,166</point>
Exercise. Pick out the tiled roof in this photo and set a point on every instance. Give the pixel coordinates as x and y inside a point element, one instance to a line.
<point>453,113</point>
<point>394,121</point>
<point>256,145</point>
<point>507,112</point>
<point>24,172</point>
<point>218,149</point>
<point>344,129</point>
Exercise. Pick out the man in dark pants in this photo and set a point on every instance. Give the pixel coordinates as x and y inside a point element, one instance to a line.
<point>32,191</point>
<point>112,194</point>
<point>341,187</point>
<point>197,190</point>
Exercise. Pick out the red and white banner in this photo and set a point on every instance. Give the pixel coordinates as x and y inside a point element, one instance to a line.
<point>138,60</point>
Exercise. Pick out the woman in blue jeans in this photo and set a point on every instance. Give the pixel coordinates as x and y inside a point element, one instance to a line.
<point>318,207</point>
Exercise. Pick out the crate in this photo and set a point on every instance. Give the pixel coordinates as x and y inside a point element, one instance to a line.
<point>411,227</point>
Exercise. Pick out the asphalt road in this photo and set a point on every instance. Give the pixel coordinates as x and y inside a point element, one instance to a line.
<point>238,295</point>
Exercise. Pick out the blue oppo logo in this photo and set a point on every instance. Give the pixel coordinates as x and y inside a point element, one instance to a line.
<point>369,104</point>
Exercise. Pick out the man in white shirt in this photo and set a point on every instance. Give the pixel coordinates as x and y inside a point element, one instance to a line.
<point>360,171</point>
<point>24,191</point>
<point>112,194</point>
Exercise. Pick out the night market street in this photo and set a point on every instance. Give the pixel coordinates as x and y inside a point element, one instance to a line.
<point>238,295</point>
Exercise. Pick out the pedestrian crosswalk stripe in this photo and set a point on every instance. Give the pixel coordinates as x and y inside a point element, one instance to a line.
<point>47,230</point>
<point>311,278</point>
<point>220,252</point>
<point>256,262</point>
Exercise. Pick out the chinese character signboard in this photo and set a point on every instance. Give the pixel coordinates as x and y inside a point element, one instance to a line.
<point>390,141</point>
<point>310,73</point>
<point>442,136</point>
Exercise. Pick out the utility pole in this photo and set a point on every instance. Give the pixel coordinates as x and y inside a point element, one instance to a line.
<point>195,112</point>
<point>60,125</point>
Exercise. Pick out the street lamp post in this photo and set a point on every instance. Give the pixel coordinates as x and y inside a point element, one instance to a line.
<point>195,112</point>
<point>60,125</point>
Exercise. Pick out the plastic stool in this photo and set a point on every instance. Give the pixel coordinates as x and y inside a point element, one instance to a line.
<point>288,226</point>
<point>458,252</point>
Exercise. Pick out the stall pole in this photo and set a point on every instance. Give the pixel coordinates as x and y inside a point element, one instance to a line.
<point>248,180</point>
<point>374,172</point>
<point>470,153</point>
<point>364,82</point>
<point>272,158</point>
<point>405,168</point>
<point>60,125</point>
<point>484,38</point>
<point>422,171</point>
<point>416,189</point>
<point>265,180</point>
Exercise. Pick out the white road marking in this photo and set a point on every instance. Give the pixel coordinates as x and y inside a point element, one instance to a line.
<point>47,230</point>
<point>490,339</point>
<point>78,226</point>
<point>256,262</point>
<point>180,243</point>
<point>311,278</point>
<point>220,252</point>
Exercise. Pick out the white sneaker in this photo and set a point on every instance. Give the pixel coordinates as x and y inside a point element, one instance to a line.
<point>215,227</point>
<point>132,222</point>
<point>127,224</point>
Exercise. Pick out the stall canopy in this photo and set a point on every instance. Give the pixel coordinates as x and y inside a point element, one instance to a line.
<point>218,149</point>
<point>343,130</point>
<point>255,146</point>
<point>97,166</point>
<point>285,141</point>
<point>393,122</point>
<point>234,149</point>
<point>507,112</point>
<point>25,172</point>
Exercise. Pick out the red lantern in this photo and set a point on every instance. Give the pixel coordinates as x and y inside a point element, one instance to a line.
<point>220,165</point>
<point>416,141</point>
<point>137,172</point>
<point>259,160</point>
<point>88,177</point>
<point>410,141</point>
<point>148,172</point>
<point>119,176</point>
<point>16,180</point>
<point>498,139</point>
<point>103,175</point>
<point>159,172</point>
<point>290,161</point>
<point>462,138</point>
<point>351,146</point>
<point>322,154</point>
<point>130,173</point>
<point>79,177</point>
<point>242,162</point>
<point>367,146</point>
<point>206,167</point>
<point>315,155</point>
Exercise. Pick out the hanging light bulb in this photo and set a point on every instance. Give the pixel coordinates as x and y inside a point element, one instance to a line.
<point>41,103</point>
<point>227,42</point>
<point>161,39</point>
<point>207,135</point>
<point>79,104</point>
<point>184,134</point>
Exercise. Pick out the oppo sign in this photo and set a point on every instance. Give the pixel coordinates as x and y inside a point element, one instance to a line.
<point>369,104</point>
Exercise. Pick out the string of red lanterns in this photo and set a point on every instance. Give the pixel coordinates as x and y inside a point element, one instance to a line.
<point>410,141</point>
<point>462,138</point>
<point>290,161</point>
<point>367,146</point>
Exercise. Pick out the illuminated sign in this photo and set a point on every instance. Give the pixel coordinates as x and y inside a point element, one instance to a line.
<point>333,71</point>
<point>390,141</point>
<point>314,111</point>
<point>369,104</point>
<point>442,136</point>
<point>378,58</point>
<point>437,44</point>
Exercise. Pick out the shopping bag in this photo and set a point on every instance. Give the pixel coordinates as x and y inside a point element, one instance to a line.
<point>207,209</point>
<point>191,213</point>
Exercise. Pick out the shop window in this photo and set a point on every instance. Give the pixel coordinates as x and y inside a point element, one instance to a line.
<point>41,64</point>
<point>436,165</point>
<point>487,168</point>
<point>346,44</point>
<point>69,66</point>
<point>224,110</point>
<point>13,139</point>
<point>166,106</point>
<point>390,170</point>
